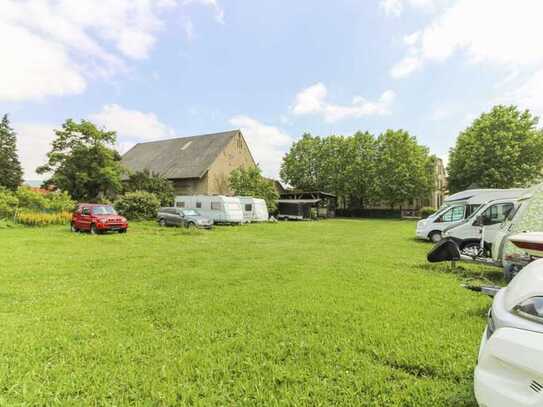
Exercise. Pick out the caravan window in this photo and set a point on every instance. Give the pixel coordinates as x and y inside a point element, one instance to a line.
<point>497,213</point>
<point>215,206</point>
<point>198,204</point>
<point>454,214</point>
<point>248,207</point>
<point>180,204</point>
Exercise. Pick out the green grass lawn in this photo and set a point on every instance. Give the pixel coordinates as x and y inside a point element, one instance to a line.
<point>343,312</point>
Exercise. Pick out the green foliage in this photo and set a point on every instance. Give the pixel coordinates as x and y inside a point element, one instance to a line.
<point>154,183</point>
<point>426,211</point>
<point>8,203</point>
<point>83,163</point>
<point>138,205</point>
<point>306,314</point>
<point>11,173</point>
<point>30,218</point>
<point>404,168</point>
<point>500,149</point>
<point>50,202</point>
<point>250,182</point>
<point>360,169</point>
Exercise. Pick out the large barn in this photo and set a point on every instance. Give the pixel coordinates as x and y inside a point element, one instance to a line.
<point>195,165</point>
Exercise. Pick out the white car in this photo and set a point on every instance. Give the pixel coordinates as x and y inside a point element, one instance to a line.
<point>509,371</point>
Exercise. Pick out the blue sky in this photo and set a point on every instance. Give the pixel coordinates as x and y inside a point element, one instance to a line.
<point>154,69</point>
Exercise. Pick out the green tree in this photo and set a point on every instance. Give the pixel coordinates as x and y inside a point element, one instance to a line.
<point>404,168</point>
<point>501,149</point>
<point>11,173</point>
<point>362,171</point>
<point>250,182</point>
<point>301,166</point>
<point>154,183</point>
<point>83,162</point>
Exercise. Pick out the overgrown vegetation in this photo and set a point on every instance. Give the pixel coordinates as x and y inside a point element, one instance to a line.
<point>153,183</point>
<point>316,313</point>
<point>29,218</point>
<point>138,205</point>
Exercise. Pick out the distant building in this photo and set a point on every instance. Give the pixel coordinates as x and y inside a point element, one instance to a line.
<point>195,165</point>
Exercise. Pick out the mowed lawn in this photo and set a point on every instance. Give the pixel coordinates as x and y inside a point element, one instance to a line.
<point>335,312</point>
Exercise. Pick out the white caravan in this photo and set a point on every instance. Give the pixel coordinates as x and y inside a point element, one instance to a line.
<point>219,208</point>
<point>490,215</point>
<point>254,209</point>
<point>458,207</point>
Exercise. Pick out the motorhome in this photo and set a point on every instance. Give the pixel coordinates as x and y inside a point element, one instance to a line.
<point>219,208</point>
<point>457,208</point>
<point>254,209</point>
<point>490,215</point>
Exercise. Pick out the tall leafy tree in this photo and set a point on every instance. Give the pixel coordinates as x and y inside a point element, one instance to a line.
<point>301,166</point>
<point>361,172</point>
<point>11,173</point>
<point>501,149</point>
<point>404,168</point>
<point>250,182</point>
<point>83,161</point>
<point>153,183</point>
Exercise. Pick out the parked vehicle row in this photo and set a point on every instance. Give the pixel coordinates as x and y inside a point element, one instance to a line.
<point>194,211</point>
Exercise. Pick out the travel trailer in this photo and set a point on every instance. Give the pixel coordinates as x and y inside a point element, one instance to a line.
<point>457,208</point>
<point>254,209</point>
<point>468,233</point>
<point>219,208</point>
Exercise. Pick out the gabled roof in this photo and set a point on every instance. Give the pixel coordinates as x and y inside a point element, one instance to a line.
<point>184,157</point>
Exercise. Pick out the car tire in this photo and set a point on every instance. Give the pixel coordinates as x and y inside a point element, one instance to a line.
<point>162,222</point>
<point>73,228</point>
<point>122,230</point>
<point>94,230</point>
<point>191,225</point>
<point>435,237</point>
<point>472,249</point>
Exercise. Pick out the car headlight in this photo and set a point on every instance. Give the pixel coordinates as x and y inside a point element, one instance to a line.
<point>531,308</point>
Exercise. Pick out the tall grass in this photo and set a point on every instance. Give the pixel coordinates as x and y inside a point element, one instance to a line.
<point>30,218</point>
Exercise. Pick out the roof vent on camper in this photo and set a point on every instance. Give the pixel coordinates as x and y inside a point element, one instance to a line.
<point>186,145</point>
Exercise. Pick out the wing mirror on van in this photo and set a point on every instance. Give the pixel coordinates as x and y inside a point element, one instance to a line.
<point>482,220</point>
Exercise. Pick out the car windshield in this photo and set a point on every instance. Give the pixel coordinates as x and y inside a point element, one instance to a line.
<point>103,210</point>
<point>190,212</point>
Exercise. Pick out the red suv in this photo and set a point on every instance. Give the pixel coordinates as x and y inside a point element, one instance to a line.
<point>97,218</point>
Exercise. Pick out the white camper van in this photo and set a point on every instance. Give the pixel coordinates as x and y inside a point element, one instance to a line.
<point>254,209</point>
<point>490,215</point>
<point>458,207</point>
<point>219,208</point>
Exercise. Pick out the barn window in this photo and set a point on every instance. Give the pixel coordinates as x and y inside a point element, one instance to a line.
<point>180,204</point>
<point>215,206</point>
<point>198,205</point>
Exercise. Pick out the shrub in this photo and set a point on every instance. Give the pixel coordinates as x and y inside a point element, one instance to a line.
<point>138,205</point>
<point>30,218</point>
<point>59,202</point>
<point>44,202</point>
<point>8,203</point>
<point>426,211</point>
<point>153,183</point>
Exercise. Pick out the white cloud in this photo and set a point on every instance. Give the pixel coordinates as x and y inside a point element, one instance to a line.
<point>312,100</point>
<point>33,144</point>
<point>132,126</point>
<point>395,7</point>
<point>268,144</point>
<point>502,34</point>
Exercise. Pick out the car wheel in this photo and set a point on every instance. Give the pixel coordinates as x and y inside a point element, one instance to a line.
<point>93,230</point>
<point>73,228</point>
<point>191,225</point>
<point>122,230</point>
<point>472,249</point>
<point>162,222</point>
<point>435,237</point>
